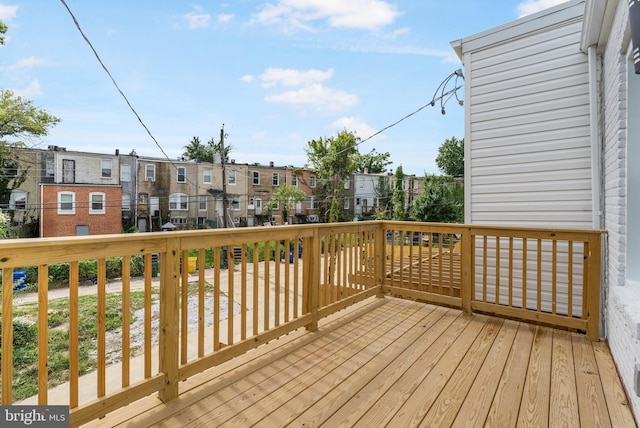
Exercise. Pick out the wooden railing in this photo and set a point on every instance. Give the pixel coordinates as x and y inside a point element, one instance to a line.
<point>215,294</point>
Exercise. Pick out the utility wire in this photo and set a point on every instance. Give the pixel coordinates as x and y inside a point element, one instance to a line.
<point>113,80</point>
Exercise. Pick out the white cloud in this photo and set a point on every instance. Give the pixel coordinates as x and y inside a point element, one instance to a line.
<point>322,98</point>
<point>225,17</point>
<point>260,135</point>
<point>7,12</point>
<point>290,77</point>
<point>26,63</point>
<point>30,91</point>
<point>197,18</point>
<point>528,7</point>
<point>300,14</point>
<point>357,125</point>
<point>248,78</point>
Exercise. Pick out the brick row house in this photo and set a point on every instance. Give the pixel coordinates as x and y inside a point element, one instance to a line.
<point>70,193</point>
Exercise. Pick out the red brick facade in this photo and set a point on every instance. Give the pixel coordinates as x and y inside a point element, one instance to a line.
<point>76,214</point>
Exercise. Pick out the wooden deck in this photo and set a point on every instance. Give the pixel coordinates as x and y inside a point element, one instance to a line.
<point>398,363</point>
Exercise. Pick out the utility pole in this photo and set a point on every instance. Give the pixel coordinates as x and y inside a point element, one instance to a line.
<point>225,203</point>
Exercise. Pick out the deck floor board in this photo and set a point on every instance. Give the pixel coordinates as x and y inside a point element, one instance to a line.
<point>392,362</point>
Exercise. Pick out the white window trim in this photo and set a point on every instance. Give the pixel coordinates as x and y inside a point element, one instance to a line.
<point>254,175</point>
<point>126,202</point>
<point>125,173</point>
<point>313,181</point>
<point>203,199</point>
<point>73,203</point>
<point>207,176</point>
<point>177,199</point>
<point>184,174</point>
<point>231,179</point>
<point>148,167</point>
<point>18,195</point>
<point>275,179</point>
<point>104,201</point>
<point>103,162</point>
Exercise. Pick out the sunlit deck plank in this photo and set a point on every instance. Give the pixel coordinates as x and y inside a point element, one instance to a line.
<point>474,412</point>
<point>401,363</point>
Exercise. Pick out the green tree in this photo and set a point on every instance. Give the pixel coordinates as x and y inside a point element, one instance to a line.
<point>3,31</point>
<point>450,159</point>
<point>5,223</point>
<point>285,197</point>
<point>20,123</point>
<point>373,162</point>
<point>441,200</point>
<point>399,196</point>
<point>333,160</point>
<point>198,151</point>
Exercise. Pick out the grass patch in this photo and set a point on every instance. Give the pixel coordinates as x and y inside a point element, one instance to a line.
<point>25,339</point>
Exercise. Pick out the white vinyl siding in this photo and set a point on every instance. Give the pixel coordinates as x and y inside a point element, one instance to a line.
<point>528,145</point>
<point>527,139</point>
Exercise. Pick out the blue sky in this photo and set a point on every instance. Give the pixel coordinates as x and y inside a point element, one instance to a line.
<point>276,73</point>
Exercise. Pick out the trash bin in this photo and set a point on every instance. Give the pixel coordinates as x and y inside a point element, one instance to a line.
<point>19,279</point>
<point>193,261</point>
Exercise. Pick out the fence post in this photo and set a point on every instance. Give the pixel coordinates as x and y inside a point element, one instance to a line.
<point>380,258</point>
<point>467,256</point>
<point>168,340</point>
<point>593,286</point>
<point>312,263</point>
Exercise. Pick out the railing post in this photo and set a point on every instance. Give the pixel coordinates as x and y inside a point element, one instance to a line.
<point>467,256</point>
<point>380,257</point>
<point>168,340</point>
<point>312,263</point>
<point>593,286</point>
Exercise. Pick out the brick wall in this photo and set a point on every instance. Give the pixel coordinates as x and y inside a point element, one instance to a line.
<point>622,300</point>
<point>55,224</point>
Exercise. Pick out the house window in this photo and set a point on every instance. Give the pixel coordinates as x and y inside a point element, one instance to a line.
<point>235,203</point>
<point>125,173</point>
<point>207,176</point>
<point>126,202</point>
<point>251,202</point>
<point>68,171</point>
<point>202,202</point>
<point>294,180</point>
<point>346,204</point>
<point>66,203</point>
<point>96,203</point>
<point>255,178</point>
<point>149,172</point>
<point>312,181</point>
<point>346,184</point>
<point>143,198</point>
<point>18,200</point>
<point>360,181</point>
<point>178,201</point>
<point>49,168</point>
<point>182,174</point>
<point>275,179</point>
<point>105,168</point>
<point>231,180</point>
<point>311,203</point>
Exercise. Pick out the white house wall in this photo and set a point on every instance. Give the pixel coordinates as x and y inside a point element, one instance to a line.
<point>528,148</point>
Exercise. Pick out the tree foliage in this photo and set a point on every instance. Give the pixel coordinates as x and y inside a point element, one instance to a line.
<point>441,200</point>
<point>399,196</point>
<point>3,31</point>
<point>373,162</point>
<point>21,120</point>
<point>198,151</point>
<point>285,197</point>
<point>333,160</point>
<point>450,159</point>
<point>20,123</point>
